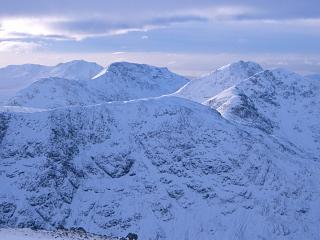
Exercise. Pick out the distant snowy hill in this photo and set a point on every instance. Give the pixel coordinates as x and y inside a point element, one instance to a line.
<point>75,70</point>
<point>120,81</point>
<point>15,77</point>
<point>202,89</point>
<point>278,102</point>
<point>55,92</point>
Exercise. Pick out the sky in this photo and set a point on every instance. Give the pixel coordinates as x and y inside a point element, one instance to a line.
<point>190,37</point>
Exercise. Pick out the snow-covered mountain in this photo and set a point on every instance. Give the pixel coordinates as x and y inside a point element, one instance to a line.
<point>202,89</point>
<point>120,81</point>
<point>75,70</point>
<point>165,168</point>
<point>16,77</point>
<point>243,165</point>
<point>126,81</point>
<point>55,92</point>
<point>278,102</point>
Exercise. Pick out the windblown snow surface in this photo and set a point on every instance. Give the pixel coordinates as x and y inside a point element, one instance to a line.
<point>243,165</point>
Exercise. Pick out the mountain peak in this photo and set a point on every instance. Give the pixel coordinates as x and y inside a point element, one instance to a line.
<point>121,81</point>
<point>248,66</point>
<point>217,81</point>
<point>76,62</point>
<point>128,67</point>
<point>76,70</point>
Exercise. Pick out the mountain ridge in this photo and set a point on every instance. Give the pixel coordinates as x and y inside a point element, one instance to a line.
<point>201,89</point>
<point>16,77</point>
<point>121,81</point>
<point>276,101</point>
<point>167,167</point>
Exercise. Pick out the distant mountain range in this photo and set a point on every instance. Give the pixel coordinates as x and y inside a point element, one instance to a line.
<point>119,82</point>
<point>16,77</point>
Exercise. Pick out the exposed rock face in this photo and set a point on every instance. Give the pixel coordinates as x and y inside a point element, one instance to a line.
<point>169,169</point>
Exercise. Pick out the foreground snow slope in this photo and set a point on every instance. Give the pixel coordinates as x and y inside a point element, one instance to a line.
<point>120,81</point>
<point>28,234</point>
<point>170,169</point>
<point>15,77</point>
<point>278,102</point>
<point>202,89</point>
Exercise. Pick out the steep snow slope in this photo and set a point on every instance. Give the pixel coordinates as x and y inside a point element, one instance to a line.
<point>15,77</point>
<point>170,169</point>
<point>201,89</point>
<point>28,234</point>
<point>121,81</point>
<point>278,102</point>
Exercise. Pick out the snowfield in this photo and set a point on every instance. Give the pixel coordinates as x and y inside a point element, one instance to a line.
<point>243,164</point>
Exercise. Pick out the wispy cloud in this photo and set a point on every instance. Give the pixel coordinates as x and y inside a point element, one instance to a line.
<point>118,53</point>
<point>186,27</point>
<point>80,28</point>
<point>18,46</point>
<point>49,22</point>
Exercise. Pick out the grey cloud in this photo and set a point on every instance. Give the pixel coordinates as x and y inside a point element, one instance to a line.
<point>102,26</point>
<point>271,9</point>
